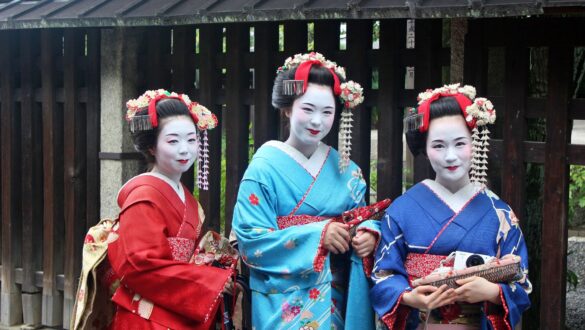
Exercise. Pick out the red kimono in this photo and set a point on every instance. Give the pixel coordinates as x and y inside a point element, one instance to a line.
<point>156,238</point>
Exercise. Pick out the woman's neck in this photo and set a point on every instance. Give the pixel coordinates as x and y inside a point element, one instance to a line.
<point>306,149</point>
<point>175,179</point>
<point>453,186</point>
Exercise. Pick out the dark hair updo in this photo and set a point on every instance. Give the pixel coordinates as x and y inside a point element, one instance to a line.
<point>145,140</point>
<point>318,75</point>
<point>443,107</point>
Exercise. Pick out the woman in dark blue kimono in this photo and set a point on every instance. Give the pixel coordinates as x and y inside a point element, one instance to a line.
<point>453,212</point>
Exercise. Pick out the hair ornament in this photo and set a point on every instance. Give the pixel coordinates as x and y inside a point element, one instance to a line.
<point>478,113</point>
<point>203,118</point>
<point>350,93</point>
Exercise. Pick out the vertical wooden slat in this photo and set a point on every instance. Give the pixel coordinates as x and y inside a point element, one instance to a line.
<point>209,49</point>
<point>556,194</point>
<point>184,75</point>
<point>93,84</point>
<point>359,41</point>
<point>514,123</point>
<point>475,60</point>
<point>427,75</point>
<point>32,203</point>
<point>295,41</point>
<point>391,73</point>
<point>158,51</point>
<point>326,35</point>
<point>74,169</point>
<point>52,305</point>
<point>10,304</point>
<point>265,124</point>
<point>237,116</point>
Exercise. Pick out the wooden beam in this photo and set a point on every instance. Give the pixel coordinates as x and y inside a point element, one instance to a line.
<point>556,193</point>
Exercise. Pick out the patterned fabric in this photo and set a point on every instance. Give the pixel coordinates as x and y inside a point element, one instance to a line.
<point>280,239</point>
<point>486,225</point>
<point>181,248</point>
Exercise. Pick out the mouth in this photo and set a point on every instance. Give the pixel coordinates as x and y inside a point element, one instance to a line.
<point>452,168</point>
<point>183,161</point>
<point>313,132</point>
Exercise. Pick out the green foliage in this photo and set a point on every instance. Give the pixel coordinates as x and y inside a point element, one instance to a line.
<point>576,191</point>
<point>572,278</point>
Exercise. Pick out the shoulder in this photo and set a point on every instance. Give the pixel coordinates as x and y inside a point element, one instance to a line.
<point>141,188</point>
<point>406,203</point>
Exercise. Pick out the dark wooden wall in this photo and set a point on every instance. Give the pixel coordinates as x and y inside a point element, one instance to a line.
<point>49,129</point>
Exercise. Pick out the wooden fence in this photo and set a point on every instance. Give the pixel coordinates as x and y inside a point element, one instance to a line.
<point>50,115</point>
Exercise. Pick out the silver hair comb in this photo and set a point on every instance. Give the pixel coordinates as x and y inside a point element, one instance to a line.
<point>140,123</point>
<point>292,87</point>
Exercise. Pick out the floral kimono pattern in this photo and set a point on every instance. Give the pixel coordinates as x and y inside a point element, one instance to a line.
<point>284,205</point>
<point>415,231</point>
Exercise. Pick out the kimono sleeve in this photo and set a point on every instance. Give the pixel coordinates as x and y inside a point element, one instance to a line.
<point>142,258</point>
<point>263,246</point>
<point>389,275</point>
<point>514,295</point>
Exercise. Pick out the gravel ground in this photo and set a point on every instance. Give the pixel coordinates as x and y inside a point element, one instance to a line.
<point>576,298</point>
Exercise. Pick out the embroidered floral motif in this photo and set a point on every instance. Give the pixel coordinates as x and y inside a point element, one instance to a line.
<point>254,200</point>
<point>314,294</point>
<point>258,254</point>
<point>181,248</point>
<point>420,265</point>
<point>309,325</point>
<point>297,220</point>
<point>354,184</point>
<point>290,311</point>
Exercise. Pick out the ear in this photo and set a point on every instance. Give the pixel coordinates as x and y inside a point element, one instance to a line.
<point>287,112</point>
<point>152,150</point>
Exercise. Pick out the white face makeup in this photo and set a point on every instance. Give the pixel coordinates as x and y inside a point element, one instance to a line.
<point>176,147</point>
<point>449,151</point>
<point>311,118</point>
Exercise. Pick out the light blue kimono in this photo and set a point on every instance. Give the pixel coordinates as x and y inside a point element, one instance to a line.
<point>484,225</point>
<point>291,286</point>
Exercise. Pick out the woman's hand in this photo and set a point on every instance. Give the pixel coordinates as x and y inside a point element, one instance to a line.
<point>336,238</point>
<point>476,289</point>
<point>427,297</point>
<point>363,243</point>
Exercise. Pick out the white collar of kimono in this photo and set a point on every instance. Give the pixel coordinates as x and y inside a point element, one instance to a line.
<point>179,190</point>
<point>456,200</point>
<point>312,164</point>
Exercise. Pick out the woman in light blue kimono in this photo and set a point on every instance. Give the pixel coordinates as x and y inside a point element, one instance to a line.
<point>453,212</point>
<point>306,271</point>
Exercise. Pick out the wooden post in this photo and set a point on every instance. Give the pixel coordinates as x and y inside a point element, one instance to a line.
<point>359,41</point>
<point>237,115</point>
<point>514,127</point>
<point>556,193</point>
<point>53,227</point>
<point>209,49</point>
<point>427,75</point>
<point>10,302</point>
<point>32,202</point>
<point>74,167</point>
<point>266,120</point>
<point>391,78</point>
<point>93,82</point>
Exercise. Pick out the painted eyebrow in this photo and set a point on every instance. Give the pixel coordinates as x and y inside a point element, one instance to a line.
<point>456,139</point>
<point>311,104</point>
<point>175,134</point>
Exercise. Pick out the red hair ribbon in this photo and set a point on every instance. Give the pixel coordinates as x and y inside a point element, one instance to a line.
<point>152,109</point>
<point>303,70</point>
<point>425,108</point>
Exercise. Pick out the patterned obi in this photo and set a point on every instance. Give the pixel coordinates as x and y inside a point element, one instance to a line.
<point>181,248</point>
<point>422,264</point>
<point>297,220</point>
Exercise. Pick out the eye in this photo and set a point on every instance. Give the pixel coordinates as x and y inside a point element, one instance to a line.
<point>437,146</point>
<point>172,141</point>
<point>308,110</point>
<point>461,144</point>
<point>328,112</point>
<point>192,140</point>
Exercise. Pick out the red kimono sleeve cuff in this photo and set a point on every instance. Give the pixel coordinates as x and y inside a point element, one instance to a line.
<point>322,252</point>
<point>498,315</point>
<point>396,318</point>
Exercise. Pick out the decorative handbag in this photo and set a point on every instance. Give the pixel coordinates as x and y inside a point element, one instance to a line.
<point>497,271</point>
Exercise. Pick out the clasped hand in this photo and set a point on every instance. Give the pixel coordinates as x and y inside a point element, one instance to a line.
<point>472,290</point>
<point>337,240</point>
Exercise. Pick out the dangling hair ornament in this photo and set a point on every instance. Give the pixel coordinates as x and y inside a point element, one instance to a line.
<point>203,118</point>
<point>350,93</point>
<point>478,113</point>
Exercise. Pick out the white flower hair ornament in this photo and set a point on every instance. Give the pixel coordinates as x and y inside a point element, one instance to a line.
<point>203,118</point>
<point>478,113</point>
<point>350,93</point>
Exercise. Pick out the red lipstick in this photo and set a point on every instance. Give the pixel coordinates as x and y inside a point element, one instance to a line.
<point>452,168</point>
<point>183,161</point>
<point>314,132</point>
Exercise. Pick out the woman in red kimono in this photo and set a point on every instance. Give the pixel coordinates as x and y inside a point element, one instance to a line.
<point>160,222</point>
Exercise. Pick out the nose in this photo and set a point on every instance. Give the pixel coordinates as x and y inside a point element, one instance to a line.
<point>316,120</point>
<point>450,155</point>
<point>183,147</point>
